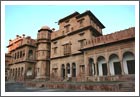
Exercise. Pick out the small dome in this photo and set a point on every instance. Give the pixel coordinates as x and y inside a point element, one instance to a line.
<point>45,27</point>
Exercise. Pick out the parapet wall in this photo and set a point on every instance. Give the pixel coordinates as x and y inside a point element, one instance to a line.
<point>114,84</point>
<point>94,87</point>
<point>110,38</point>
<point>20,41</point>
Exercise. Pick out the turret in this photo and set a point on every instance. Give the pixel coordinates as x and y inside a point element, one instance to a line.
<point>43,53</point>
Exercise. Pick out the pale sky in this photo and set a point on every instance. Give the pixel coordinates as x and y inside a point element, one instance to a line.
<point>28,19</point>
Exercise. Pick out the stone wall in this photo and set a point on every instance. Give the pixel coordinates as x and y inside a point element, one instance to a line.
<point>88,86</point>
<point>57,64</point>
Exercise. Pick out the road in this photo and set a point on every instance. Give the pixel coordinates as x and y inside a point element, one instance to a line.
<point>20,87</point>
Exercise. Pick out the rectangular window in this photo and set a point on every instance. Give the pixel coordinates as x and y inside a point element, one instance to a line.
<point>81,43</point>
<point>15,55</point>
<point>131,66</point>
<point>81,23</point>
<point>20,54</point>
<point>23,54</point>
<point>67,27</point>
<point>67,49</point>
<point>104,68</point>
<point>117,68</point>
<point>55,50</point>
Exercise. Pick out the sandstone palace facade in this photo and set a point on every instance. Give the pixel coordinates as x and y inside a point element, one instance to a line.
<point>78,51</point>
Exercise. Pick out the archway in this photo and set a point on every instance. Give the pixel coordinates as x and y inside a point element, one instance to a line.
<point>102,66</point>
<point>129,63</point>
<point>91,67</point>
<point>63,71</point>
<point>22,71</point>
<point>114,64</point>
<point>73,70</point>
<point>68,69</point>
<point>18,72</point>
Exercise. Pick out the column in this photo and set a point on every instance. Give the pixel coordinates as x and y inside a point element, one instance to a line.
<point>87,68</point>
<point>107,62</point>
<point>86,65</point>
<point>108,68</point>
<point>121,62</point>
<point>95,68</point>
<point>15,74</point>
<point>10,74</point>
<point>65,71</point>
<point>71,70</point>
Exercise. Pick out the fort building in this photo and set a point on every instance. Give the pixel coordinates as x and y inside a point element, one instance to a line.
<point>78,51</point>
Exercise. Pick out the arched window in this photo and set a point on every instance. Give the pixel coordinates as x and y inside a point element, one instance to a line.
<point>91,67</point>
<point>17,55</point>
<point>115,66</point>
<point>68,69</point>
<point>102,66</point>
<point>129,63</point>
<point>63,71</point>
<point>18,71</point>
<point>73,70</point>
<point>21,71</point>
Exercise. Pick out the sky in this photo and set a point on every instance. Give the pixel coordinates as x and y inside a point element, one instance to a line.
<point>28,19</point>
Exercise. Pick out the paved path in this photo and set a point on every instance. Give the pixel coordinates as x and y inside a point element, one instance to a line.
<point>20,87</point>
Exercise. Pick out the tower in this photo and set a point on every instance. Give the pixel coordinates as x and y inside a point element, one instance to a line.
<point>43,53</point>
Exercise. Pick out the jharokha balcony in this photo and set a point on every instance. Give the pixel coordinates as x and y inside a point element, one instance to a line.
<point>110,38</point>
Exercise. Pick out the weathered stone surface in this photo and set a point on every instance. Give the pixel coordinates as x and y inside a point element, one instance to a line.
<point>114,87</point>
<point>77,52</point>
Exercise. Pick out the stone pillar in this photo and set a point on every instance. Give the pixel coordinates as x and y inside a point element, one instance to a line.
<point>71,70</point>
<point>107,62</point>
<point>87,69</point>
<point>108,68</point>
<point>65,71</point>
<point>95,68</point>
<point>86,64</point>
<point>121,61</point>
